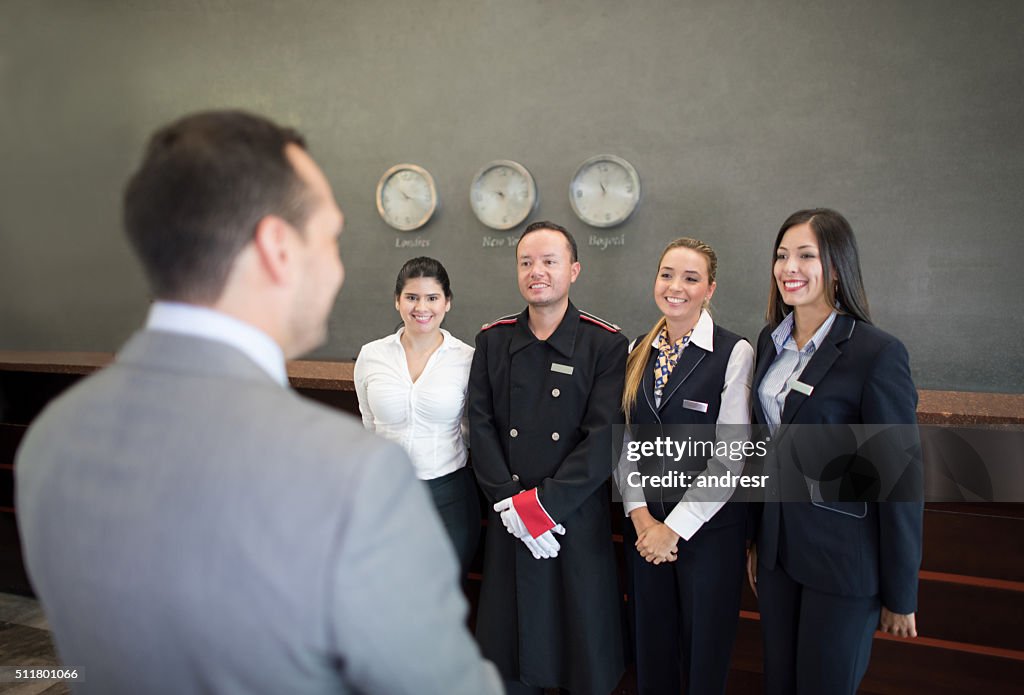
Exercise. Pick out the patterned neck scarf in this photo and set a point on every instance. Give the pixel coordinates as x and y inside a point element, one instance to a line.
<point>668,357</point>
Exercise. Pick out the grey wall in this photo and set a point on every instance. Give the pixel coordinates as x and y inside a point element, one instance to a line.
<point>906,116</point>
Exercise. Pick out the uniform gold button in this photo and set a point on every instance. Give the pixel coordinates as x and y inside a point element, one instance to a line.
<point>513,432</point>
<point>556,393</point>
<point>554,436</point>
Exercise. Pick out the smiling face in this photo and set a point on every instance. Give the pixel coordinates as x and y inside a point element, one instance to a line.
<point>682,286</point>
<point>798,270</point>
<point>546,269</point>
<point>422,305</point>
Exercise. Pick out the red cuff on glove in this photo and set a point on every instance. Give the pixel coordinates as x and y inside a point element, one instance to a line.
<point>533,514</point>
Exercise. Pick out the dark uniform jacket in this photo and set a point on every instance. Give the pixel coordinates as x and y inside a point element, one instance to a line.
<point>859,375</point>
<point>540,417</point>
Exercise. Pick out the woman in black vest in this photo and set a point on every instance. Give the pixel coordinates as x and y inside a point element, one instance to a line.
<point>687,380</point>
<point>831,565</point>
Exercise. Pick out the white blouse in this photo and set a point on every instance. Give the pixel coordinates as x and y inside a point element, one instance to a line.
<point>426,416</point>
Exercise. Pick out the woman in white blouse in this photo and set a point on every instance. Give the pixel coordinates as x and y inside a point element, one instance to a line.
<point>411,387</point>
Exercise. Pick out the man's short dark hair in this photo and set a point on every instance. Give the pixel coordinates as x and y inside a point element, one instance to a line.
<point>204,183</point>
<point>544,224</point>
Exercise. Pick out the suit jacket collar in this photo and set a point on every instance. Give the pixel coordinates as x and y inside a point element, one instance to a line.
<point>204,322</point>
<point>563,340</point>
<point>189,355</point>
<point>819,365</point>
<point>816,369</point>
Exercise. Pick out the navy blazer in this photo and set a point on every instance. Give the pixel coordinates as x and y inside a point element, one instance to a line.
<point>859,375</point>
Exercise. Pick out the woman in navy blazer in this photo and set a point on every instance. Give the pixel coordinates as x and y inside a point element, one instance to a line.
<point>827,573</point>
<point>688,378</point>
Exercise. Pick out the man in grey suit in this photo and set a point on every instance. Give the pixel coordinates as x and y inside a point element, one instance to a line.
<point>190,523</point>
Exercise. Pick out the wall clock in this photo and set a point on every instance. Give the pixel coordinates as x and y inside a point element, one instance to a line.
<point>503,194</point>
<point>604,191</point>
<point>406,196</point>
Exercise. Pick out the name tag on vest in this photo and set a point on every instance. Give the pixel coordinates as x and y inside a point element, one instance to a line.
<point>561,368</point>
<point>695,405</point>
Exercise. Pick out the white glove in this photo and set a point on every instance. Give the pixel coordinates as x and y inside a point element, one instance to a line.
<point>510,517</point>
<point>545,546</point>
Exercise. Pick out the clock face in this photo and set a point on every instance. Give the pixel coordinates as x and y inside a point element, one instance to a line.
<point>605,191</point>
<point>406,196</point>
<point>502,194</point>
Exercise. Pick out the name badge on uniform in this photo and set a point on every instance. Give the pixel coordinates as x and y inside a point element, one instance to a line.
<point>695,405</point>
<point>561,368</point>
<point>801,387</point>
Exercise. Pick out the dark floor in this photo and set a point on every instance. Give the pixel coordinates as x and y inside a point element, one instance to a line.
<point>25,644</point>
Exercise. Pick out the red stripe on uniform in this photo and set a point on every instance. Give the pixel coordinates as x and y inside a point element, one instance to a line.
<point>498,323</point>
<point>597,322</point>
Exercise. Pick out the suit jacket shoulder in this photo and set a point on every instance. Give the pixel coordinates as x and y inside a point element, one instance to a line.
<point>187,489</point>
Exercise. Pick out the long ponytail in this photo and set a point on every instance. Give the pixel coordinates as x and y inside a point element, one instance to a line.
<point>635,364</point>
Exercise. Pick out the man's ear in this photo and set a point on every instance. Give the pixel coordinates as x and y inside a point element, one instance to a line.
<point>271,241</point>
<point>574,271</point>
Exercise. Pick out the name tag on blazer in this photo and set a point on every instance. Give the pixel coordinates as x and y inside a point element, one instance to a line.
<point>801,387</point>
<point>695,405</point>
<point>561,368</point>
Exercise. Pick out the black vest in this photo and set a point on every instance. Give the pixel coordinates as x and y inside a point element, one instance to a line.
<point>690,404</point>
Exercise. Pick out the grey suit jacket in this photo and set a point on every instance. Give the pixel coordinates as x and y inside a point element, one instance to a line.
<point>191,526</point>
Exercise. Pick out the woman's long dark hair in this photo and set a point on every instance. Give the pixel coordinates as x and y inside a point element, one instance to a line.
<point>839,256</point>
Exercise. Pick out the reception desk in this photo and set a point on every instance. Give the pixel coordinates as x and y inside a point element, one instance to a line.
<point>972,576</point>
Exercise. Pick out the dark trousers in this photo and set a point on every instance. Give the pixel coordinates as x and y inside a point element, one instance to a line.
<point>815,643</point>
<point>458,503</point>
<point>686,612</point>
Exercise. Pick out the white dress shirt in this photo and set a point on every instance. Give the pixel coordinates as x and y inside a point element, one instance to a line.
<point>426,416</point>
<point>699,504</point>
<point>203,322</point>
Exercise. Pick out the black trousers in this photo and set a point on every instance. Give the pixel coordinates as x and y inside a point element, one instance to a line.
<point>686,612</point>
<point>458,503</point>
<point>815,643</point>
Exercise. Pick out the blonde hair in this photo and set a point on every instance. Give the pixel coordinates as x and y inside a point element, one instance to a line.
<point>637,359</point>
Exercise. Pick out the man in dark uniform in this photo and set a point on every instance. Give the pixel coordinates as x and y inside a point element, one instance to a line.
<point>544,389</point>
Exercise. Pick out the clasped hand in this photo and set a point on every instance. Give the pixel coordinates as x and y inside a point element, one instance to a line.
<point>544,546</point>
<point>656,542</point>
